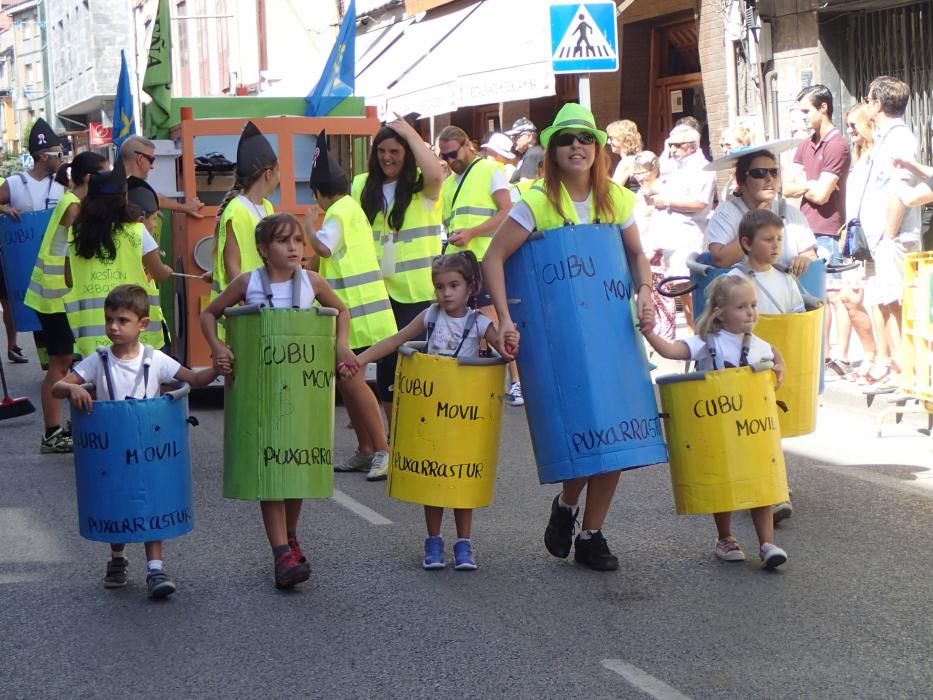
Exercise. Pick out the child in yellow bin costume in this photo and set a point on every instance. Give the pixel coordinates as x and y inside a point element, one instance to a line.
<point>455,330</point>
<point>724,335</point>
<point>760,235</point>
<point>348,263</point>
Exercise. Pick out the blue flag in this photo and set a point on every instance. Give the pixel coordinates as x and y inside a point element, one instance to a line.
<point>124,125</point>
<point>338,77</point>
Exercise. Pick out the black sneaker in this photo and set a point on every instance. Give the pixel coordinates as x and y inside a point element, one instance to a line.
<point>558,535</point>
<point>159,584</point>
<point>116,573</point>
<point>15,354</point>
<point>594,553</point>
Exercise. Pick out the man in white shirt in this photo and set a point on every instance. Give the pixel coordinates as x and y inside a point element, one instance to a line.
<point>897,233</point>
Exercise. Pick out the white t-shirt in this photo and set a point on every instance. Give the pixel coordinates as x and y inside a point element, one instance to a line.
<point>35,195</point>
<point>281,292</point>
<point>128,374</point>
<point>331,235</point>
<point>149,243</point>
<point>895,141</point>
<point>723,227</point>
<point>778,292</point>
<point>525,217</point>
<point>498,181</point>
<point>728,347</point>
<point>448,331</point>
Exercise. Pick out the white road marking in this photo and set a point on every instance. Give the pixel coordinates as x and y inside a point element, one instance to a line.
<point>365,512</point>
<point>645,682</point>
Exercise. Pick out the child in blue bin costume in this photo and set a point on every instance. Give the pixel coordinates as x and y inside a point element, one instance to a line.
<point>128,370</point>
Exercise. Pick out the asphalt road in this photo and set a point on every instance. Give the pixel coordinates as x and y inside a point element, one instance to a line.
<point>849,616</point>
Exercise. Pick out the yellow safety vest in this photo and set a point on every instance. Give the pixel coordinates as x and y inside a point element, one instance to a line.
<point>244,227</point>
<point>546,216</point>
<point>473,206</point>
<point>416,245</point>
<point>354,275</point>
<point>47,288</point>
<point>93,279</point>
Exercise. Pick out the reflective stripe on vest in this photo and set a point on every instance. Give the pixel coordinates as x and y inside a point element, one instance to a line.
<point>94,279</point>
<point>47,286</point>
<point>547,216</point>
<point>354,276</point>
<point>474,206</point>
<point>418,239</point>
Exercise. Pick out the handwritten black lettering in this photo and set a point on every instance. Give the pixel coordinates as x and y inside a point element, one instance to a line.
<point>626,430</point>
<point>616,289</point>
<point>289,353</point>
<point>317,378</point>
<point>755,425</point>
<point>457,411</point>
<point>91,441</point>
<point>572,267</point>
<point>438,470</point>
<point>414,386</point>
<point>721,405</point>
<point>301,457</point>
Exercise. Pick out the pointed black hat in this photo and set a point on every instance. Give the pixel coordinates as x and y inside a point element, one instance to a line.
<point>140,193</point>
<point>110,182</point>
<point>324,167</point>
<point>42,136</point>
<point>253,152</point>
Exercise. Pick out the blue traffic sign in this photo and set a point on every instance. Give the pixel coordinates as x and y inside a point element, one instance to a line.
<point>584,37</point>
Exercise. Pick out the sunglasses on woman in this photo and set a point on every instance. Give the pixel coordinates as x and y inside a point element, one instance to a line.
<point>762,173</point>
<point>566,138</point>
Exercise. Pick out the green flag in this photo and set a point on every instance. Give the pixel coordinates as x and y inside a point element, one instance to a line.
<point>157,82</point>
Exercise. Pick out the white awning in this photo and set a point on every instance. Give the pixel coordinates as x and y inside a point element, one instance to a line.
<point>485,52</point>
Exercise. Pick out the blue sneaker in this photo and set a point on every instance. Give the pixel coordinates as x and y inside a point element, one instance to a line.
<point>463,556</point>
<point>434,553</point>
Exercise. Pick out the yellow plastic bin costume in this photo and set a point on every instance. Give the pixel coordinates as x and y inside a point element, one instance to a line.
<point>724,439</point>
<point>798,337</point>
<point>445,433</point>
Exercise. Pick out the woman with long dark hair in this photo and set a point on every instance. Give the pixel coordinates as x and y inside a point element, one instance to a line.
<point>400,196</point>
<point>109,246</point>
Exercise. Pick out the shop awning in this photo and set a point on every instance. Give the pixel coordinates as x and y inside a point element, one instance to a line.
<point>481,53</point>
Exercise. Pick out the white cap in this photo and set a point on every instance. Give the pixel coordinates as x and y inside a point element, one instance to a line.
<point>500,144</point>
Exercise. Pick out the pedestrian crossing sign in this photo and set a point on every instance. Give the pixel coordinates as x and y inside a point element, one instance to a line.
<point>584,37</point>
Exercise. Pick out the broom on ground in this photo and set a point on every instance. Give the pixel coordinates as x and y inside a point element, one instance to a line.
<point>10,407</point>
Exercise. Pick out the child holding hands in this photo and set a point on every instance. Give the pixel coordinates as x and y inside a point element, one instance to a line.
<point>128,370</point>
<point>724,339</point>
<point>455,330</point>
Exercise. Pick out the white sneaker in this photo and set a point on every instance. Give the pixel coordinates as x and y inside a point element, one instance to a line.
<point>728,549</point>
<point>515,395</point>
<point>781,511</point>
<point>772,556</point>
<point>357,463</point>
<point>379,468</point>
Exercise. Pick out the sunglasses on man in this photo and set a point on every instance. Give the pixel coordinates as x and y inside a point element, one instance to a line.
<point>566,138</point>
<point>761,173</point>
<point>450,155</point>
<point>151,159</point>
<point>55,154</point>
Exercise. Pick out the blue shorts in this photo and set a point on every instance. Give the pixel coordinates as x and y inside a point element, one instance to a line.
<point>827,249</point>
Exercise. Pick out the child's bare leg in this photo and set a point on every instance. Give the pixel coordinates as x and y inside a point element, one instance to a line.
<point>292,513</point>
<point>153,550</point>
<point>365,414</point>
<point>52,407</point>
<point>599,493</point>
<point>463,517</point>
<point>571,490</point>
<point>764,524</point>
<point>433,517</point>
<point>117,550</point>
<point>724,523</point>
<point>273,518</point>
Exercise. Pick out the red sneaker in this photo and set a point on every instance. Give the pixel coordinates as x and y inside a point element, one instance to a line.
<point>296,550</point>
<point>289,571</point>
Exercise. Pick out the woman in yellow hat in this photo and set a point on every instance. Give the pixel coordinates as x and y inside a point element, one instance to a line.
<point>576,189</point>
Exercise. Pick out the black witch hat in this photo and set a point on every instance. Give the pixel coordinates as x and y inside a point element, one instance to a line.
<point>253,152</point>
<point>324,167</point>
<point>42,136</point>
<point>111,182</point>
<point>140,193</point>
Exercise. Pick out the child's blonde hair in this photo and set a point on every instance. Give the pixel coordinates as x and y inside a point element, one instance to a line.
<point>717,296</point>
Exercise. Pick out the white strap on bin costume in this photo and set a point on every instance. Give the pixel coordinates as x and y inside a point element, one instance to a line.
<point>267,286</point>
<point>148,352</point>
